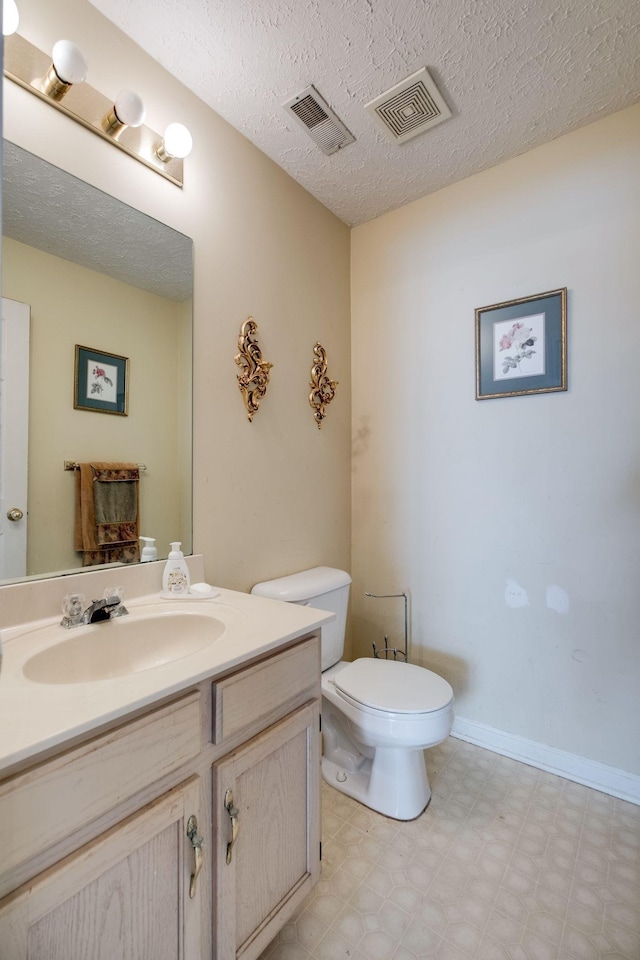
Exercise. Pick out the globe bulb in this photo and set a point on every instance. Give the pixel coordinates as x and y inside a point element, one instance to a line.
<point>69,62</point>
<point>177,141</point>
<point>10,17</point>
<point>130,109</point>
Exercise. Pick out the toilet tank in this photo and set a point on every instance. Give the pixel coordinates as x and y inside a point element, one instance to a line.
<point>324,588</point>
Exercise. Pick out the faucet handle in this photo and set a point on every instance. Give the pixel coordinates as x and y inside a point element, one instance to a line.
<point>110,592</point>
<point>115,596</point>
<point>73,605</point>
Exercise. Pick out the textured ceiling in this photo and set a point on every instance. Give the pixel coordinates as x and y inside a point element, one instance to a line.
<point>47,208</point>
<point>515,73</point>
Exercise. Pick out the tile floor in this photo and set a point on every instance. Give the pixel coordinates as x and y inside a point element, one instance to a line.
<point>506,863</point>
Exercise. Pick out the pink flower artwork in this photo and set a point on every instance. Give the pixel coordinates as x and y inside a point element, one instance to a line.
<point>100,379</point>
<point>522,339</point>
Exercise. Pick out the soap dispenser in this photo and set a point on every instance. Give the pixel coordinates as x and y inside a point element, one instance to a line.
<point>149,551</point>
<point>175,579</point>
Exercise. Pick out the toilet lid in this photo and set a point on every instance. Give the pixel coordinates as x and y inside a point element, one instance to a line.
<point>394,686</point>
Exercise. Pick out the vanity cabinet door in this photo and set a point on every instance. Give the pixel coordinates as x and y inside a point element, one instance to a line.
<point>124,895</point>
<point>268,792</point>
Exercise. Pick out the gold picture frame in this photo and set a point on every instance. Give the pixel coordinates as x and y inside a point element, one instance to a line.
<point>101,382</point>
<point>521,346</point>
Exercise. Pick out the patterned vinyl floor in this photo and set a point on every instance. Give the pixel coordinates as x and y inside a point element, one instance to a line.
<point>506,863</point>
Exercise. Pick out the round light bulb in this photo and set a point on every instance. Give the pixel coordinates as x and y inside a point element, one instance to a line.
<point>130,109</point>
<point>177,141</point>
<point>10,17</point>
<point>69,62</point>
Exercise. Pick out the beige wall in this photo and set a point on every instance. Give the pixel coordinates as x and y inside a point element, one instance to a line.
<point>272,496</point>
<point>459,500</point>
<point>72,305</point>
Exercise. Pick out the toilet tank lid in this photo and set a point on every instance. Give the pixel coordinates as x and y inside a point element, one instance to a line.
<point>304,585</point>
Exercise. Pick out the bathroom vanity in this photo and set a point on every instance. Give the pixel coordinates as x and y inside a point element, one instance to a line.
<point>171,812</point>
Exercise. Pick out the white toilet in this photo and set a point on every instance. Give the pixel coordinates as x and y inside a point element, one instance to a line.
<point>378,716</point>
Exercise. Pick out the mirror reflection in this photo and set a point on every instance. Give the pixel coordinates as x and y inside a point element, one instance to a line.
<point>81,268</point>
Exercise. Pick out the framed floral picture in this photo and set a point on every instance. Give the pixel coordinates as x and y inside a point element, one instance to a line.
<point>521,346</point>
<point>101,381</point>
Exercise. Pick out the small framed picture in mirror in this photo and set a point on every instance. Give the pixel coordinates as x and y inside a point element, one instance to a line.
<point>101,381</point>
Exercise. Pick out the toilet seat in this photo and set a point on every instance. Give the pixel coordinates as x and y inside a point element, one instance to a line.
<point>393,687</point>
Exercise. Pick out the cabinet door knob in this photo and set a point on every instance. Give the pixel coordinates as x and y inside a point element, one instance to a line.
<point>196,843</point>
<point>234,816</point>
<point>15,514</point>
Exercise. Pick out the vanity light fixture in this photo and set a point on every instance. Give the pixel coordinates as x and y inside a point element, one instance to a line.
<point>10,17</point>
<point>60,81</point>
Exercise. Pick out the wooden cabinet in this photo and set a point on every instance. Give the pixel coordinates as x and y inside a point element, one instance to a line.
<point>267,856</point>
<point>56,798</point>
<point>95,857</point>
<point>124,895</point>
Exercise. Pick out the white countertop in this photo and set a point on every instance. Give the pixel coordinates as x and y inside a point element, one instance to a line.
<point>37,716</point>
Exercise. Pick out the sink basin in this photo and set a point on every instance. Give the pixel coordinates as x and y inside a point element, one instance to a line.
<point>122,646</point>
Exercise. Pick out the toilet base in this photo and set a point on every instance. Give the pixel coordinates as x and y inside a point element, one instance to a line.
<point>393,783</point>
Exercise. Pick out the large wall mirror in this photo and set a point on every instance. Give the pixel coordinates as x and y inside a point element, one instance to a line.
<point>86,269</point>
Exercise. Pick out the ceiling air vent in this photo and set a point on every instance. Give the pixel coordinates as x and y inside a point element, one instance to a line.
<point>319,120</point>
<point>409,108</point>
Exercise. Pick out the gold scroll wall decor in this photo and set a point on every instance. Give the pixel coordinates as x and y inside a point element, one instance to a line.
<point>323,390</point>
<point>253,378</point>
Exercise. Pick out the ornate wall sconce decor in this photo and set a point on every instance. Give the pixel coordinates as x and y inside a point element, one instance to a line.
<point>59,80</point>
<point>253,378</point>
<point>323,390</point>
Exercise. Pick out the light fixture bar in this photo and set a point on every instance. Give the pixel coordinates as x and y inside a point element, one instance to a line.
<point>26,65</point>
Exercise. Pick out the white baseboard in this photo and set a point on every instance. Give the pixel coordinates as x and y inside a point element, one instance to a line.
<point>616,783</point>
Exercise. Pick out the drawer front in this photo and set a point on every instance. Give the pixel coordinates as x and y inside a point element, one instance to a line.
<point>58,797</point>
<point>264,691</point>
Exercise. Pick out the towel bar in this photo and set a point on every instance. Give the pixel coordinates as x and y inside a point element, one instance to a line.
<point>73,465</point>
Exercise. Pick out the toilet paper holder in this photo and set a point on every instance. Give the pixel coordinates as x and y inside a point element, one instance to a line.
<point>386,651</point>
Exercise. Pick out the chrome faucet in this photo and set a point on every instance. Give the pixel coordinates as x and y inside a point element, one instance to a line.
<point>104,609</point>
<point>109,607</point>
